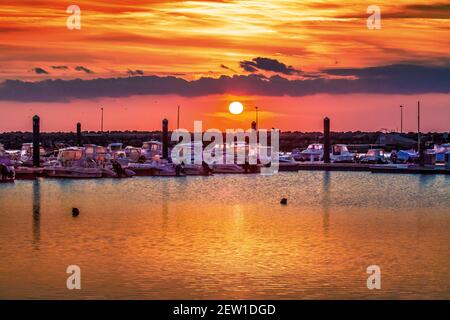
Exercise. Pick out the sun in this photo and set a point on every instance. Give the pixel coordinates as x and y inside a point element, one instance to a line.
<point>236,107</point>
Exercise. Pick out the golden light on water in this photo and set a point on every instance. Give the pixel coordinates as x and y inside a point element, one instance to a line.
<point>236,107</point>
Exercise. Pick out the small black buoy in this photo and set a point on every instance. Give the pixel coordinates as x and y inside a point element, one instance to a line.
<point>75,212</point>
<point>283,201</point>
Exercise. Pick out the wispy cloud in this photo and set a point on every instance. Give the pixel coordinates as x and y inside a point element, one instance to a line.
<point>268,64</point>
<point>135,72</point>
<point>60,67</point>
<point>84,69</point>
<point>39,70</point>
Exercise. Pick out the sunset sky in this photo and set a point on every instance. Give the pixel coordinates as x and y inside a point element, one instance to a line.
<point>298,61</point>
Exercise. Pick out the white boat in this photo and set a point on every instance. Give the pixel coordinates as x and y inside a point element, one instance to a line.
<point>340,154</point>
<point>26,154</point>
<point>373,156</point>
<point>155,168</point>
<point>314,152</point>
<point>286,158</point>
<point>73,163</point>
<point>151,149</point>
<point>96,153</point>
<point>115,147</point>
<point>133,154</point>
<point>117,153</point>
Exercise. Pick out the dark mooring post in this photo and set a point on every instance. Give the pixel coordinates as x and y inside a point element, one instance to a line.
<point>326,138</point>
<point>165,139</point>
<point>36,141</point>
<point>422,154</point>
<point>79,134</point>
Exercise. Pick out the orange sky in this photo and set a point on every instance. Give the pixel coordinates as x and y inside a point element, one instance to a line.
<point>193,39</point>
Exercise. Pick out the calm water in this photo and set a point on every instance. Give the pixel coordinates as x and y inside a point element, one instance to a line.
<point>228,237</point>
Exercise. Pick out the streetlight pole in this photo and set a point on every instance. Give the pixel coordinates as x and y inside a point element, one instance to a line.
<point>101,126</point>
<point>401,119</point>
<point>256,111</point>
<point>418,127</point>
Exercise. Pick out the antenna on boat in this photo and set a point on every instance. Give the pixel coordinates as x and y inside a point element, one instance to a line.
<point>178,118</point>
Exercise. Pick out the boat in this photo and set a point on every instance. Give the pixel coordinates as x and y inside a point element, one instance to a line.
<point>373,156</point>
<point>440,150</point>
<point>73,163</point>
<point>115,147</point>
<point>286,158</point>
<point>150,149</point>
<point>116,152</point>
<point>28,173</point>
<point>407,156</point>
<point>227,168</point>
<point>195,170</point>
<point>96,153</point>
<point>340,154</point>
<point>156,167</point>
<point>314,152</point>
<point>133,154</point>
<point>26,154</point>
<point>7,171</point>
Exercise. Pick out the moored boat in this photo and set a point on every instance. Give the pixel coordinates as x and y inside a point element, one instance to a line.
<point>314,152</point>
<point>73,163</point>
<point>7,171</point>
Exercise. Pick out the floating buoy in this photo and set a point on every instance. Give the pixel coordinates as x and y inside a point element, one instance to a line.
<point>283,201</point>
<point>75,212</point>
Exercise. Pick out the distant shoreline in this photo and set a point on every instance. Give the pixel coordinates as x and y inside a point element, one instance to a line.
<point>288,139</point>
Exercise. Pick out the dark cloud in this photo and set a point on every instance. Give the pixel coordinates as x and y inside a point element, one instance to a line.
<point>39,70</point>
<point>60,67</point>
<point>84,69</point>
<point>248,66</point>
<point>267,64</point>
<point>409,11</point>
<point>432,10</point>
<point>227,68</point>
<point>392,79</point>
<point>135,72</point>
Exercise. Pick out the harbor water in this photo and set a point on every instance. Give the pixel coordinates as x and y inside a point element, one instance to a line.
<point>228,237</point>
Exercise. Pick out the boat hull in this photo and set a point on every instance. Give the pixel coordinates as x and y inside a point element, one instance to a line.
<point>73,173</point>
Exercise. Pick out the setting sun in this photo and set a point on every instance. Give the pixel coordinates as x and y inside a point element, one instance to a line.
<point>236,107</point>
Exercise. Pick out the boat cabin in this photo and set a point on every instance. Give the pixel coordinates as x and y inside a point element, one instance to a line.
<point>151,149</point>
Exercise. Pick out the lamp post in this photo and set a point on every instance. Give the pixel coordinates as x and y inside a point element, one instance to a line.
<point>418,128</point>
<point>101,125</point>
<point>401,119</point>
<point>256,112</point>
